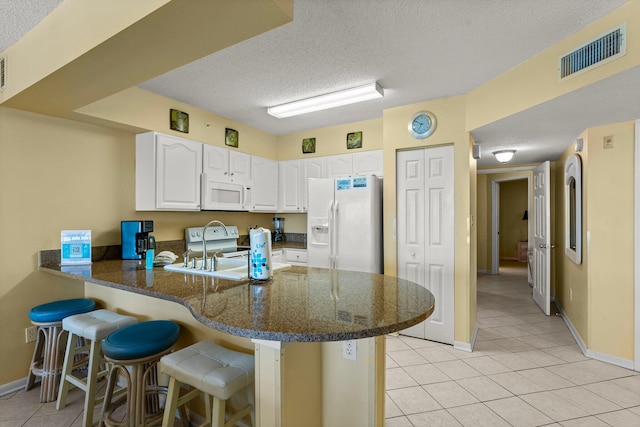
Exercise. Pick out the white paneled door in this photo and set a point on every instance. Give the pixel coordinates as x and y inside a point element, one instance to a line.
<point>542,237</point>
<point>426,233</point>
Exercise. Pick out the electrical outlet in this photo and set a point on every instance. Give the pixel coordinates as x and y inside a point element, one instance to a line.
<point>30,334</point>
<point>349,349</point>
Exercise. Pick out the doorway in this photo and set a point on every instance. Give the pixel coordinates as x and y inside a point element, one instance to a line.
<point>510,230</point>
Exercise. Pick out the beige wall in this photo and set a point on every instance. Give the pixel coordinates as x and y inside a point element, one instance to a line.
<point>331,140</point>
<point>450,116</point>
<point>58,174</point>
<point>598,295</point>
<point>138,110</point>
<point>484,225</point>
<point>572,284</point>
<point>536,80</point>
<point>514,200</point>
<point>610,240</point>
<point>485,207</point>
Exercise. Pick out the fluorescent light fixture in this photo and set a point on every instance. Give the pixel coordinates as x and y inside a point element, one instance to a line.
<point>330,100</point>
<point>503,156</point>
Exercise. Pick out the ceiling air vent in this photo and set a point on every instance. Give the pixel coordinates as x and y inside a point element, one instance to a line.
<point>3,72</point>
<point>593,53</point>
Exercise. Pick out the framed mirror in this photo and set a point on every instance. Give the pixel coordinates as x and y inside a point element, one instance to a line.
<point>573,208</point>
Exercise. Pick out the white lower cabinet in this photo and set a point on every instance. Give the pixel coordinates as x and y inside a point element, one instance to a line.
<point>277,256</point>
<point>295,256</point>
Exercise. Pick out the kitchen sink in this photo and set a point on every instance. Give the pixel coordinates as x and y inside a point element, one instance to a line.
<point>228,268</point>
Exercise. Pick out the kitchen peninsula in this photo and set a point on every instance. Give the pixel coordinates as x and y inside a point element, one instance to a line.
<point>295,323</point>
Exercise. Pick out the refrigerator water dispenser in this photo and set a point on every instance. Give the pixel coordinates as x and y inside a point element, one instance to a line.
<point>319,231</point>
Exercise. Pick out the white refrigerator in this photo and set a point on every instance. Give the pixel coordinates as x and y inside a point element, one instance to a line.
<point>344,223</point>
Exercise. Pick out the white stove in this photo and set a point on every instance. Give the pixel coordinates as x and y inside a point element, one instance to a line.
<point>216,239</point>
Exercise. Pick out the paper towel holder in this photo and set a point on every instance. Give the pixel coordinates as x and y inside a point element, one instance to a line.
<point>259,252</point>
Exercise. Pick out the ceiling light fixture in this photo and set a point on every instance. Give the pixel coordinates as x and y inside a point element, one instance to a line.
<point>330,100</point>
<point>503,156</point>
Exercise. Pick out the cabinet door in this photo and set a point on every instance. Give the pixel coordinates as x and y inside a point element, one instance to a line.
<point>368,163</point>
<point>290,186</point>
<point>339,165</point>
<point>311,168</point>
<point>239,167</point>
<point>178,169</point>
<point>264,190</point>
<point>277,256</point>
<point>296,256</point>
<point>216,163</point>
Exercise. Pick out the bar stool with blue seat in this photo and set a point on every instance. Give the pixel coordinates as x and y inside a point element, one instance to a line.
<point>46,359</point>
<point>91,328</point>
<point>217,372</point>
<point>134,352</point>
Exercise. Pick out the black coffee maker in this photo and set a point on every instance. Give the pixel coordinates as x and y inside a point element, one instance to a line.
<point>278,229</point>
<point>136,239</point>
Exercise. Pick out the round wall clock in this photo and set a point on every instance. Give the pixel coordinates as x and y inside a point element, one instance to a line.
<point>422,124</point>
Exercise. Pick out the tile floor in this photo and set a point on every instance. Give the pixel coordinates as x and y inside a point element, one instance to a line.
<point>525,370</point>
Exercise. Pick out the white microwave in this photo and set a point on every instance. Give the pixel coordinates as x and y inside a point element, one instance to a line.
<point>224,196</point>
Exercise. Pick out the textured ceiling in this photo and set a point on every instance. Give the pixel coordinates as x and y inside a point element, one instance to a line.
<point>417,50</point>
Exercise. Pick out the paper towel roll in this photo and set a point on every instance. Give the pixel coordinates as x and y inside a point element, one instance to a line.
<point>260,254</point>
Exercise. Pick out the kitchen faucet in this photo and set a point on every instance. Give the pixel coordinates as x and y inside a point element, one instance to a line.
<point>204,241</point>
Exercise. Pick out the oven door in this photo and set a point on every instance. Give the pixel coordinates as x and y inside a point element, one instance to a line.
<point>223,196</point>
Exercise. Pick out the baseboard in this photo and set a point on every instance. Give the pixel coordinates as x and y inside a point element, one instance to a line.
<point>12,387</point>
<point>572,329</point>
<point>467,346</point>
<point>196,420</point>
<point>614,360</point>
<point>484,270</point>
<point>603,357</point>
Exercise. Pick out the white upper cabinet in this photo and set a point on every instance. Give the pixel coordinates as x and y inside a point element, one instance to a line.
<point>174,173</point>
<point>360,163</point>
<point>223,165</point>
<point>311,168</point>
<point>168,172</point>
<point>264,187</point>
<point>293,182</point>
<point>290,186</point>
<point>368,163</point>
<point>339,165</point>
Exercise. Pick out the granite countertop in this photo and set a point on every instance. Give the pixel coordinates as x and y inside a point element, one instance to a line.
<point>299,304</point>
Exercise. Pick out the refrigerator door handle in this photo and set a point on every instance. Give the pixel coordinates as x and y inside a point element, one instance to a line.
<point>330,216</point>
<point>334,240</point>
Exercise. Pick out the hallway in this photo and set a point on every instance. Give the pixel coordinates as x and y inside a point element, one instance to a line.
<point>525,370</point>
